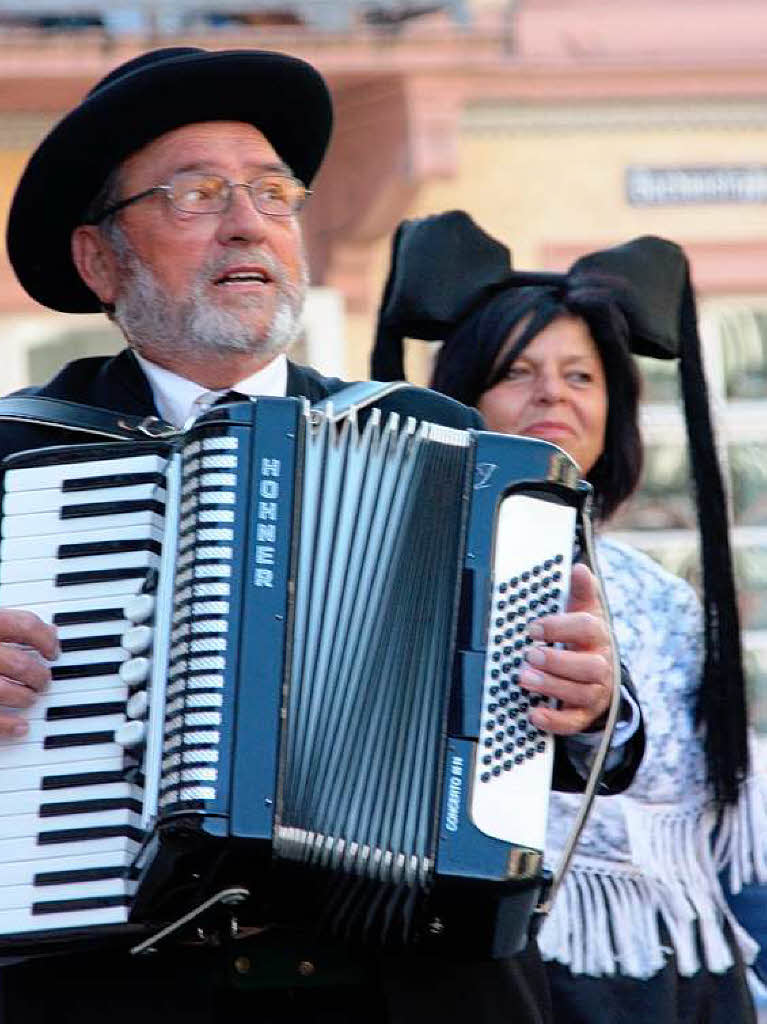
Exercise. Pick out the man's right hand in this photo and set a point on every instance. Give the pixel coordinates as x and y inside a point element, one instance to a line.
<point>23,673</point>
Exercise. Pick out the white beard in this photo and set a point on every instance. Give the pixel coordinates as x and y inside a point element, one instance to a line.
<point>151,321</point>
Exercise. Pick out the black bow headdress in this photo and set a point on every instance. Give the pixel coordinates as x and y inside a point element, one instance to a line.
<point>445,269</point>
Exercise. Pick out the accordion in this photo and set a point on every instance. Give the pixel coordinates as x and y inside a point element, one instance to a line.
<point>289,679</point>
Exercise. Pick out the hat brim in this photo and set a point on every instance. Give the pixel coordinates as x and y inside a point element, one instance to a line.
<point>285,98</point>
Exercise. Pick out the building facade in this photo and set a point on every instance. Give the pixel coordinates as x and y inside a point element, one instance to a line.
<point>560,125</point>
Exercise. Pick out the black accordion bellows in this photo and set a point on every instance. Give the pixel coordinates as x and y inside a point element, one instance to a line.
<point>373,635</point>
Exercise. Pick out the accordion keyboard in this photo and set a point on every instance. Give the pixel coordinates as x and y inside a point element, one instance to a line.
<point>80,541</point>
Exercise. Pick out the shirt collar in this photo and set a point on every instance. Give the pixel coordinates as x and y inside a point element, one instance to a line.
<point>178,399</point>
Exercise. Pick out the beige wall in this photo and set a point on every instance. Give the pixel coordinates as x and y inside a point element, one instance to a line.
<point>548,177</point>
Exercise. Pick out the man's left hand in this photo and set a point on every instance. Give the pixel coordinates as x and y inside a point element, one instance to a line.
<point>580,676</point>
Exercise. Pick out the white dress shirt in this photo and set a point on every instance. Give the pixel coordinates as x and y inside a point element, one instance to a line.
<point>178,400</point>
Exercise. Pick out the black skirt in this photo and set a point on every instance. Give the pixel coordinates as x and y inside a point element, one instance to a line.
<point>194,987</point>
<point>665,998</point>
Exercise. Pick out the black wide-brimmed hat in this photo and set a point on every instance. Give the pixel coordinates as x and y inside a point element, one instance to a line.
<point>285,98</point>
<point>446,273</point>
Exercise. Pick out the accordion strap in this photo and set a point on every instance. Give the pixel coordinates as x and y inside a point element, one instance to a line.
<point>54,412</point>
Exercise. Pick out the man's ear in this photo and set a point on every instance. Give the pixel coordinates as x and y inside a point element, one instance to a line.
<point>95,262</point>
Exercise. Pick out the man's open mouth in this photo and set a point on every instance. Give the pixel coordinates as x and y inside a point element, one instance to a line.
<point>254,276</point>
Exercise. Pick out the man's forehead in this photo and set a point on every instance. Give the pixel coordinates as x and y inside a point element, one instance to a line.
<point>204,143</point>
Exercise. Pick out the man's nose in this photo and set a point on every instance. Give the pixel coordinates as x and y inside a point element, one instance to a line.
<point>241,221</point>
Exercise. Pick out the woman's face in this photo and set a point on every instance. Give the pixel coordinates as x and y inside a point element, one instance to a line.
<point>555,390</point>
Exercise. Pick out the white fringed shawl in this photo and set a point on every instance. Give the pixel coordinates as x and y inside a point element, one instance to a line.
<point>655,853</point>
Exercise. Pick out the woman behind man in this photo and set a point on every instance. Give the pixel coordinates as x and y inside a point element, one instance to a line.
<point>640,930</point>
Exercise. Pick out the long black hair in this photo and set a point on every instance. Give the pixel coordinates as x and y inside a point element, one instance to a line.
<point>472,360</point>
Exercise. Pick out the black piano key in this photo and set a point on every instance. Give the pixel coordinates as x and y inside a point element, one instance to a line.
<point>84,711</point>
<point>74,579</point>
<point>90,643</point>
<point>85,903</point>
<point>106,668</point>
<point>78,835</point>
<point>97,483</point>
<point>106,451</point>
<point>111,508</point>
<point>76,779</point>
<point>79,739</point>
<point>107,547</point>
<point>77,875</point>
<point>87,806</point>
<point>88,615</point>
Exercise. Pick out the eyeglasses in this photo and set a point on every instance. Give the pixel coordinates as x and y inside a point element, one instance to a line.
<point>276,195</point>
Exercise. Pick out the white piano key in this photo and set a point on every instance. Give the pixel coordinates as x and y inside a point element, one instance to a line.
<point>24,595</point>
<point>48,546</point>
<point>19,826</point>
<point>87,630</point>
<point>98,656</point>
<point>27,848</point>
<point>46,610</point>
<point>50,568</point>
<point>23,873</point>
<point>24,922</point>
<point>53,475</point>
<point>42,523</point>
<point>29,801</point>
<point>54,698</point>
<point>29,502</point>
<point>83,684</point>
<point>39,731</point>
<point>18,754</point>
<point>29,778</point>
<point>19,897</point>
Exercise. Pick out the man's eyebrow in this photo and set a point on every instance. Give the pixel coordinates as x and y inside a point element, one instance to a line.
<point>204,167</point>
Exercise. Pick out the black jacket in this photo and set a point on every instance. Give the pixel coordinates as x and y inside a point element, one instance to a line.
<point>118,384</point>
<point>204,987</point>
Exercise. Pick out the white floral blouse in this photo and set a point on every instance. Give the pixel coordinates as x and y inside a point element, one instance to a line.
<point>654,853</point>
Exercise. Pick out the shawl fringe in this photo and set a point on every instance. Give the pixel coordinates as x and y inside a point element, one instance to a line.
<point>607,915</point>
